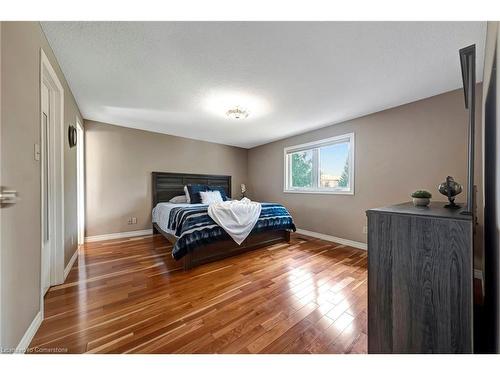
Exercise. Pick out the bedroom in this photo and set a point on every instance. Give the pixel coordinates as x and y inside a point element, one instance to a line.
<point>229,187</point>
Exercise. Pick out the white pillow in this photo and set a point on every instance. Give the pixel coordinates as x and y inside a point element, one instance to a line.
<point>186,192</point>
<point>179,199</point>
<point>209,197</point>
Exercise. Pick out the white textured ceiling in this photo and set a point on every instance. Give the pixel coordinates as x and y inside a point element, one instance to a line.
<point>180,77</point>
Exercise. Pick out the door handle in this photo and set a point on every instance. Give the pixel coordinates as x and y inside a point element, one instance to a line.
<point>8,196</point>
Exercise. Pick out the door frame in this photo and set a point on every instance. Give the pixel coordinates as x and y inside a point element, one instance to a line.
<point>49,77</point>
<point>1,290</point>
<point>80,170</point>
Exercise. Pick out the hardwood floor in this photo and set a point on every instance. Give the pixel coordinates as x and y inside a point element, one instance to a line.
<point>130,296</point>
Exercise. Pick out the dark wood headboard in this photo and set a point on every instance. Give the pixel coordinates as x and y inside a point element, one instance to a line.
<point>168,185</point>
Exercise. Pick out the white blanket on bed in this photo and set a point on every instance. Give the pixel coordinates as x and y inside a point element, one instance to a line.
<point>237,218</point>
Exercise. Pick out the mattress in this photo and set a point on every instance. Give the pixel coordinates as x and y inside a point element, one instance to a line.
<point>161,214</point>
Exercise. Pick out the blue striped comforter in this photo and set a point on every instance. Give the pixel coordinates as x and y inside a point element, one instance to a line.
<point>194,227</point>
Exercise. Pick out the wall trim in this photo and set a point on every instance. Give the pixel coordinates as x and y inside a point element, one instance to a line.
<point>49,77</point>
<point>327,237</point>
<point>29,334</point>
<point>71,263</point>
<point>113,236</point>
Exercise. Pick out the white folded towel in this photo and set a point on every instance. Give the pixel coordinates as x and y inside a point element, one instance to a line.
<point>237,218</point>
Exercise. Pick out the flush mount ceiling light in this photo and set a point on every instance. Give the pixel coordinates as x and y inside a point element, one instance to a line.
<point>235,104</point>
<point>237,113</point>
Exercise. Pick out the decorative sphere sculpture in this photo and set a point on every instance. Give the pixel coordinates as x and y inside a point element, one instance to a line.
<point>450,188</point>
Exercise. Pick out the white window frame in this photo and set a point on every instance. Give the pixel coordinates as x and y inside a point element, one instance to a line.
<point>317,144</point>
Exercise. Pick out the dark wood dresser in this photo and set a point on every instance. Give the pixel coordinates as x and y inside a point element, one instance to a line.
<point>419,280</point>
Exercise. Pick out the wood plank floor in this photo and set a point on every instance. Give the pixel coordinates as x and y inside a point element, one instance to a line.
<point>130,296</point>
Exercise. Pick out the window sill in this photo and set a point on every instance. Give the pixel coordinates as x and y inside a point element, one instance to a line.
<point>334,192</point>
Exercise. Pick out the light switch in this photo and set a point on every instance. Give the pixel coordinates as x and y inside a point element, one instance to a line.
<point>37,152</point>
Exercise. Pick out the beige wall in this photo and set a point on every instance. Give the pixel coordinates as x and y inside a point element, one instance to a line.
<point>20,121</point>
<point>119,162</point>
<point>397,151</point>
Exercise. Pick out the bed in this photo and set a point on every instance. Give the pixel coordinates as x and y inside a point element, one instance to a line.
<point>212,243</point>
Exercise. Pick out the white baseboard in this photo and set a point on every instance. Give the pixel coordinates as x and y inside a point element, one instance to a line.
<point>29,334</point>
<point>71,263</point>
<point>113,236</point>
<point>327,237</point>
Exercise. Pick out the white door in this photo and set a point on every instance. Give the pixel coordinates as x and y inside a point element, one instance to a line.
<point>47,188</point>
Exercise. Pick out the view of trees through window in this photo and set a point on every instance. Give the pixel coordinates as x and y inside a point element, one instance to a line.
<point>323,167</point>
<point>302,169</point>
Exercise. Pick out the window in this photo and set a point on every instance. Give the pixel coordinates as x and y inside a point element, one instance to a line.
<point>325,166</point>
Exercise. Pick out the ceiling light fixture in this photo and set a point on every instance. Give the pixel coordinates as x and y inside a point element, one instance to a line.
<point>235,104</point>
<point>237,113</point>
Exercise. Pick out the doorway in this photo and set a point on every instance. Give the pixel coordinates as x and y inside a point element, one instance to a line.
<point>47,162</point>
<point>50,152</point>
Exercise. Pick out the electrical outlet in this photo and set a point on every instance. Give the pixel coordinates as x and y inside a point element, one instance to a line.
<point>365,229</point>
<point>134,220</point>
<point>129,221</point>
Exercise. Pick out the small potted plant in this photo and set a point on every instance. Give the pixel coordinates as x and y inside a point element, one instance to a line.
<point>421,198</point>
